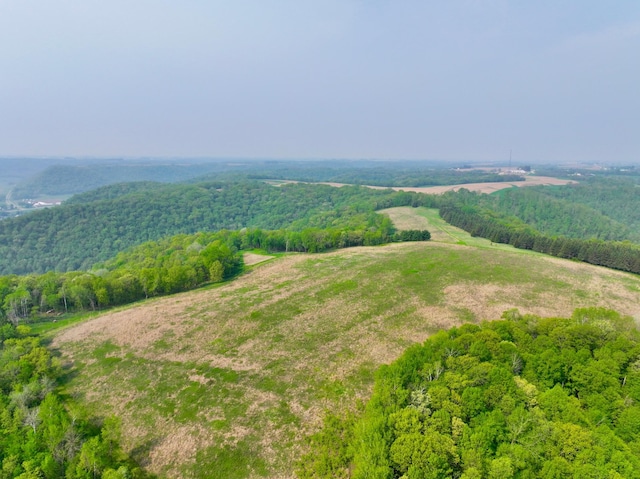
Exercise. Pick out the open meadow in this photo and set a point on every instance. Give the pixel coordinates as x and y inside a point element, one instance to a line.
<point>227,381</point>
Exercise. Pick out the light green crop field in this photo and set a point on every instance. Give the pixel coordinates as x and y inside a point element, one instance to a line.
<point>227,381</point>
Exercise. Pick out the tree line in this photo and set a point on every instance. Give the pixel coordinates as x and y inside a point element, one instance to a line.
<point>173,264</point>
<point>624,256</point>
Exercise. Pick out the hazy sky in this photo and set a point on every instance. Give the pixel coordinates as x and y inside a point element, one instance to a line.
<point>450,79</point>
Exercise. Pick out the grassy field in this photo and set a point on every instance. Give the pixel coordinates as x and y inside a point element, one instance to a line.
<point>227,381</point>
<point>406,218</point>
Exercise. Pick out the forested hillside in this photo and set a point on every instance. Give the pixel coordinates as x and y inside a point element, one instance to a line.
<point>495,217</point>
<point>590,221</point>
<point>547,211</point>
<point>599,208</point>
<point>70,179</point>
<point>523,397</point>
<point>97,225</point>
<point>174,264</point>
<point>67,179</point>
<point>618,198</point>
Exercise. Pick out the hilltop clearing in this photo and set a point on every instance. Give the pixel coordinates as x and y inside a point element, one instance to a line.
<point>229,380</point>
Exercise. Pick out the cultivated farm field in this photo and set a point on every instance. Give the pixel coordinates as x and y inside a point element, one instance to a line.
<point>487,187</point>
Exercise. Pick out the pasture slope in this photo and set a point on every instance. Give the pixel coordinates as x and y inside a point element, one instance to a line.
<point>227,381</point>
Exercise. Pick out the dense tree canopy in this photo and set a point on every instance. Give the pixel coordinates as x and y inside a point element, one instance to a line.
<point>524,397</point>
<point>596,209</point>
<point>71,179</point>
<point>616,198</point>
<point>97,225</point>
<point>41,434</point>
<point>468,211</point>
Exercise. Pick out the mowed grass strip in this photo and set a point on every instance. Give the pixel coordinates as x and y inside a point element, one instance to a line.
<point>227,381</point>
<point>408,218</point>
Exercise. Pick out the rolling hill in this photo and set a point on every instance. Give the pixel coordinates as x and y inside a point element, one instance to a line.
<point>227,381</point>
<point>95,226</point>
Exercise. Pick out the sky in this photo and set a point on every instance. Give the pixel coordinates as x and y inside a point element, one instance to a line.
<point>551,81</point>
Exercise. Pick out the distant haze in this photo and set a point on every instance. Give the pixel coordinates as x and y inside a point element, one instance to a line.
<point>406,79</point>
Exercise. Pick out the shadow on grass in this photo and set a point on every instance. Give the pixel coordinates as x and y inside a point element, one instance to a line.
<point>141,453</point>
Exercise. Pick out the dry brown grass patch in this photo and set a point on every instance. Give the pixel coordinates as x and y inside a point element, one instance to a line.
<point>405,218</point>
<point>252,258</point>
